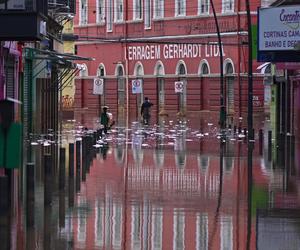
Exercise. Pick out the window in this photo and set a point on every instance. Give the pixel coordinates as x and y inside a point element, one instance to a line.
<point>203,7</point>
<point>100,11</point>
<point>158,9</point>
<point>119,10</point>
<point>109,15</point>
<point>83,17</point>
<point>180,7</point>
<point>137,9</point>
<point>181,70</point>
<point>147,14</point>
<point>204,69</point>
<point>101,71</point>
<point>83,71</point>
<point>227,6</point>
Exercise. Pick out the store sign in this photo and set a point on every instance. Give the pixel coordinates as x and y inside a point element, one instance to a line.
<point>173,51</point>
<point>179,87</point>
<point>137,86</point>
<point>98,86</point>
<point>13,4</point>
<point>279,28</point>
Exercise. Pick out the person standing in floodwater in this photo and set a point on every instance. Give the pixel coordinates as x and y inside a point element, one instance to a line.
<point>106,120</point>
<point>145,111</point>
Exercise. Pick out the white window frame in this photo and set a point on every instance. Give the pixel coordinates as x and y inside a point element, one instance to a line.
<point>136,11</point>
<point>119,11</point>
<point>183,12</point>
<point>226,6</point>
<point>147,14</point>
<point>83,20</point>
<point>100,18</point>
<point>110,16</point>
<point>158,9</point>
<point>206,5</point>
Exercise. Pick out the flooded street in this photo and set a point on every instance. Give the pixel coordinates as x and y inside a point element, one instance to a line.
<point>170,186</point>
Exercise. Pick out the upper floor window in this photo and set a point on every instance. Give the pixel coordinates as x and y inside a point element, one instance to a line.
<point>109,21</point>
<point>180,7</point>
<point>100,11</point>
<point>203,7</point>
<point>147,16</point>
<point>119,10</point>
<point>227,6</point>
<point>158,8</point>
<point>137,9</point>
<point>83,10</point>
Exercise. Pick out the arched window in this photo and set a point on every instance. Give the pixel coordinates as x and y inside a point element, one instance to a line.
<point>228,67</point>
<point>101,70</point>
<point>204,68</point>
<point>159,69</point>
<point>119,70</point>
<point>83,71</point>
<point>138,69</point>
<point>181,69</point>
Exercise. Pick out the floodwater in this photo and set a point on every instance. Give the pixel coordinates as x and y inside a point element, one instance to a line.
<point>170,186</point>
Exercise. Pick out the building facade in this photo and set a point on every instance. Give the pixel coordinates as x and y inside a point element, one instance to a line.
<point>166,50</point>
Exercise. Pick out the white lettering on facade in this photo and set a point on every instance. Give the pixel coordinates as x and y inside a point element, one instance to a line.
<point>172,51</point>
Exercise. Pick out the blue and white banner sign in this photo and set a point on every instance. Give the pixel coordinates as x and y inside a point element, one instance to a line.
<point>279,28</point>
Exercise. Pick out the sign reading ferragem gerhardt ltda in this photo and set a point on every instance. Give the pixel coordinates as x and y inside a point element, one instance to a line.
<point>172,51</point>
<point>279,28</point>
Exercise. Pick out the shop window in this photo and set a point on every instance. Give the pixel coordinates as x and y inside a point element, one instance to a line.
<point>119,10</point>
<point>180,7</point>
<point>158,8</point>
<point>203,7</point>
<point>137,9</point>
<point>83,12</point>
<point>100,11</point>
<point>227,6</point>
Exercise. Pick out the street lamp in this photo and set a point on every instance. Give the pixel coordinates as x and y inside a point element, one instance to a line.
<point>222,120</point>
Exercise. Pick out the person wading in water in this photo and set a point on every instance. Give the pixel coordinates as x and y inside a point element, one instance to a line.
<point>145,111</point>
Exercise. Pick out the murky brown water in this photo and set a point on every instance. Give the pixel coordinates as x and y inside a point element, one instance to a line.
<point>174,186</point>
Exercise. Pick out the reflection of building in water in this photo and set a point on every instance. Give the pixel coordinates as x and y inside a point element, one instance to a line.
<point>180,147</point>
<point>119,151</point>
<point>137,140</point>
<point>203,162</point>
<point>164,208</point>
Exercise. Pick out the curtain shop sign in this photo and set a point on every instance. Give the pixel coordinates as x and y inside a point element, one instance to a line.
<point>173,51</point>
<point>279,28</point>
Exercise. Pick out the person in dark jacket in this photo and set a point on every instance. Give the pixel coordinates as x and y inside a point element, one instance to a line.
<point>106,121</point>
<point>145,111</point>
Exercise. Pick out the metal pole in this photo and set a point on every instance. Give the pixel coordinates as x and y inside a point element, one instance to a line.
<point>222,103</point>
<point>250,75</point>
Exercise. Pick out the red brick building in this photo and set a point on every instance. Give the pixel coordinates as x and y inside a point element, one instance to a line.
<point>162,42</point>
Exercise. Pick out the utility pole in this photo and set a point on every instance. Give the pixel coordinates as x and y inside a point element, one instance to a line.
<point>250,75</point>
<point>222,103</point>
